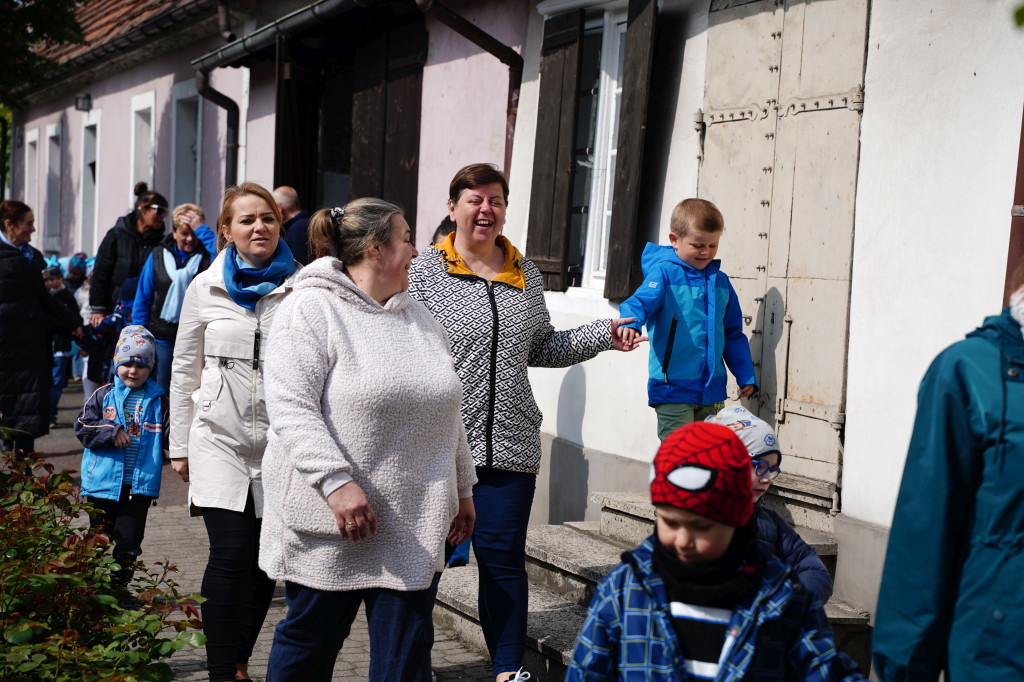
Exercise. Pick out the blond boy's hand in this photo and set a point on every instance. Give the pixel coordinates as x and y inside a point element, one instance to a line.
<point>625,338</point>
<point>747,391</point>
<point>121,438</point>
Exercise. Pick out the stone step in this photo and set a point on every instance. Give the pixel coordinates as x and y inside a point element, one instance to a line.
<point>629,518</point>
<point>568,562</point>
<point>553,623</point>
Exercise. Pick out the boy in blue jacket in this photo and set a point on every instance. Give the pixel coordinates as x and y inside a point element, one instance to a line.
<point>699,600</point>
<point>773,533</point>
<point>693,319</point>
<point>123,427</point>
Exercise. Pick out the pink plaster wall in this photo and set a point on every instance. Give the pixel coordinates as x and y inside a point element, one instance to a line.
<point>112,97</point>
<point>465,93</point>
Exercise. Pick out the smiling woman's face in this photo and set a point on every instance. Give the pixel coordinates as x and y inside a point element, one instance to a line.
<point>254,230</point>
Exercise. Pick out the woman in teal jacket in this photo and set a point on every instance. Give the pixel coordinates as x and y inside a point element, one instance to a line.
<point>951,597</point>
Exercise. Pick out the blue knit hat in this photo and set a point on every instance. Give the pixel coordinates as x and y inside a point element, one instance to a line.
<point>136,344</point>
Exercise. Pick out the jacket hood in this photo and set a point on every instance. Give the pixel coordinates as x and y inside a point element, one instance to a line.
<point>1002,330</point>
<point>657,253</point>
<point>127,223</point>
<point>328,274</point>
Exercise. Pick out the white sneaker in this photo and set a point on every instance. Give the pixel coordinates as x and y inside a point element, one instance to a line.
<point>520,676</point>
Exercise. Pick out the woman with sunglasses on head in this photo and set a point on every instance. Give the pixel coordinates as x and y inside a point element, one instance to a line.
<point>124,250</point>
<point>773,533</point>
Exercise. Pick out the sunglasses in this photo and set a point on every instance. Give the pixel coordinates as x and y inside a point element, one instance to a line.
<point>761,469</point>
<point>160,210</point>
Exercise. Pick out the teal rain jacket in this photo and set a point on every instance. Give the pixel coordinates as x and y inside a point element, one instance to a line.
<point>951,596</point>
<point>694,320</point>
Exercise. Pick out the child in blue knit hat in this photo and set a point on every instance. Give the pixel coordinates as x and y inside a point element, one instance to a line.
<point>123,427</point>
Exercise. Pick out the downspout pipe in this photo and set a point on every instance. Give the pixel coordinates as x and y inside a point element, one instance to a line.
<point>231,107</point>
<point>224,21</point>
<point>505,54</point>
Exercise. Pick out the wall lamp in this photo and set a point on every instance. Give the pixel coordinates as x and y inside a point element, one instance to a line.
<point>83,102</point>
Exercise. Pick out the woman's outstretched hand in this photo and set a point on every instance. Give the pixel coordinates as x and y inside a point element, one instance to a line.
<point>352,512</point>
<point>625,338</point>
<point>462,525</point>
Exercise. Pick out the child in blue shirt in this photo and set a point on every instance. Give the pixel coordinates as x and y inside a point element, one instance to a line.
<point>699,599</point>
<point>693,319</point>
<point>123,427</point>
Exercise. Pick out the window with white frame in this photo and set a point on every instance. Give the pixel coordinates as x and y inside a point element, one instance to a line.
<point>90,179</point>
<point>187,134</point>
<point>142,140</point>
<point>32,168</point>
<point>600,92</point>
<point>51,219</point>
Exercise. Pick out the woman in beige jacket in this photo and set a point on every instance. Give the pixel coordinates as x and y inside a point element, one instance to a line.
<point>219,419</point>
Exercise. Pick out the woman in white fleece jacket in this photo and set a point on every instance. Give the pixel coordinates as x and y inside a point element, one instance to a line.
<point>367,469</point>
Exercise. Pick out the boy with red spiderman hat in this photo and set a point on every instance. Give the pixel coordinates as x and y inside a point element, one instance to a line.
<point>698,600</point>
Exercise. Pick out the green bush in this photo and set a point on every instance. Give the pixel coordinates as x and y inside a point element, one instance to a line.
<point>61,615</point>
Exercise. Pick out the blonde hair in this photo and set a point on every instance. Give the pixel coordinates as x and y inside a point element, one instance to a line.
<point>227,209</point>
<point>180,210</point>
<point>348,232</point>
<point>696,215</point>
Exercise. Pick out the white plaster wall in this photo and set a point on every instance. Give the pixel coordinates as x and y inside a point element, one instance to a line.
<point>943,96</point>
<point>465,92</point>
<point>602,404</point>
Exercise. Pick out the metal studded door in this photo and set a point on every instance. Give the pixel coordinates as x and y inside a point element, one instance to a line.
<point>781,120</point>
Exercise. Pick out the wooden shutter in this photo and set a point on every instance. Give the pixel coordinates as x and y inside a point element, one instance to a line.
<point>386,102</point>
<point>547,242</point>
<point>623,274</point>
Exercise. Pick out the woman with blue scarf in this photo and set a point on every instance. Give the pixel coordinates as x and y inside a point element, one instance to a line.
<point>165,277</point>
<point>219,419</point>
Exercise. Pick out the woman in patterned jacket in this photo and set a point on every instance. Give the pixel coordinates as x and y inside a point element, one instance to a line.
<point>490,300</point>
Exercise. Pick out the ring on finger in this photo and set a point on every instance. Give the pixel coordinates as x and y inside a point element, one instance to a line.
<point>350,524</point>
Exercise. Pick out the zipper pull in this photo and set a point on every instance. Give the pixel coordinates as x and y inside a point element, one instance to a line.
<point>256,350</point>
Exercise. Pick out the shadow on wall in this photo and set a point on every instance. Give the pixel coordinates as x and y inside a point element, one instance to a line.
<point>570,471</point>
<point>771,313</point>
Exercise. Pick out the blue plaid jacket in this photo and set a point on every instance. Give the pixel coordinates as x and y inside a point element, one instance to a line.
<point>782,634</point>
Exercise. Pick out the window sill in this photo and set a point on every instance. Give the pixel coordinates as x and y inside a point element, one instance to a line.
<point>581,301</point>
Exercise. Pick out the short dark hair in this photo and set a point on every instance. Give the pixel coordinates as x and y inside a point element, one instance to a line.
<point>444,228</point>
<point>473,175</point>
<point>13,210</point>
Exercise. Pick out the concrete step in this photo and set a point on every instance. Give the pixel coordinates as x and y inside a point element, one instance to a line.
<point>629,518</point>
<point>568,562</point>
<point>553,623</point>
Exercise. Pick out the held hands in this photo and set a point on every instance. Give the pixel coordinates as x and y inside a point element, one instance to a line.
<point>462,525</point>
<point>352,512</point>
<point>625,338</point>
<point>121,439</point>
<point>95,319</point>
<point>181,466</point>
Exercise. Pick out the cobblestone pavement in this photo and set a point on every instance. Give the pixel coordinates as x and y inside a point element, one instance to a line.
<point>173,536</point>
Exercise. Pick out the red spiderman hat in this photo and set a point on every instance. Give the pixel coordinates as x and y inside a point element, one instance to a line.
<point>704,468</point>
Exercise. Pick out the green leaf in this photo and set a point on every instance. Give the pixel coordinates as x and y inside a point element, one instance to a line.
<point>196,640</point>
<point>1018,16</point>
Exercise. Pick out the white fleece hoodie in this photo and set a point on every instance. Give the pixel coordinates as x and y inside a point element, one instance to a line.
<point>357,389</point>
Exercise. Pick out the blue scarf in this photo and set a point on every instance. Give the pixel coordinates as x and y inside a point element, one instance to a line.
<point>247,285</point>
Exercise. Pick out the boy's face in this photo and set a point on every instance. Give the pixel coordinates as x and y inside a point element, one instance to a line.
<point>697,248</point>
<point>695,539</point>
<point>133,374</point>
<point>53,283</point>
<point>760,484</point>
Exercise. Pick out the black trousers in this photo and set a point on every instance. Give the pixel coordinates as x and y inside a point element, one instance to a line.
<point>237,591</point>
<point>124,520</point>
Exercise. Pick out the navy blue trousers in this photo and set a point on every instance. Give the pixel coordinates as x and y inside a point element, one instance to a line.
<point>308,639</point>
<point>503,500</point>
